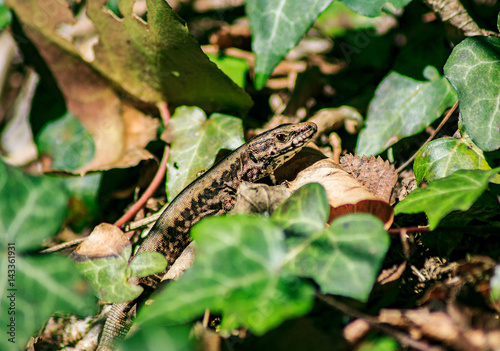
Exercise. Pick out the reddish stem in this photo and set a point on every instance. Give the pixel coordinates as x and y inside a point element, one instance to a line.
<point>158,178</point>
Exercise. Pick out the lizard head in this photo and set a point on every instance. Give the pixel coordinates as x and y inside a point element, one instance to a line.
<point>271,149</point>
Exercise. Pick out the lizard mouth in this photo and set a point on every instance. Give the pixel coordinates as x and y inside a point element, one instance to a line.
<point>303,135</point>
<point>307,132</point>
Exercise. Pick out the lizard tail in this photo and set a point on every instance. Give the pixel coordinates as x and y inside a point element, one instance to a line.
<point>116,327</point>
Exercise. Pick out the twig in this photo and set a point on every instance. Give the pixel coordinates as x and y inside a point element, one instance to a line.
<point>445,119</point>
<point>403,338</point>
<point>63,246</point>
<point>409,230</point>
<point>454,13</point>
<point>158,178</point>
<point>145,221</point>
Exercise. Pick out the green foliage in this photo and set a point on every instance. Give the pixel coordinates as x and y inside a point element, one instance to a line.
<point>444,156</point>
<point>264,288</point>
<point>31,210</point>
<point>67,142</point>
<point>147,263</point>
<point>160,338</point>
<point>234,68</point>
<point>373,8</point>
<point>109,275</point>
<point>305,212</point>
<point>381,343</point>
<point>255,292</point>
<point>344,259</point>
<point>458,191</point>
<point>255,272</point>
<point>402,107</point>
<point>5,16</point>
<point>196,141</point>
<point>277,26</point>
<point>473,69</point>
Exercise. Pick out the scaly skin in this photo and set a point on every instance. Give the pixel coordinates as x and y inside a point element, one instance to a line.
<point>212,194</point>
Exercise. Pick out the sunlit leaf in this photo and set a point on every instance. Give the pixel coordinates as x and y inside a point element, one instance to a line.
<point>444,156</point>
<point>195,143</point>
<point>277,26</point>
<point>402,107</point>
<point>473,69</point>
<point>456,192</point>
<point>375,7</point>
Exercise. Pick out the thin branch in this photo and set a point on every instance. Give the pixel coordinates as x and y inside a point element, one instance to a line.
<point>445,119</point>
<point>454,13</point>
<point>63,246</point>
<point>409,230</point>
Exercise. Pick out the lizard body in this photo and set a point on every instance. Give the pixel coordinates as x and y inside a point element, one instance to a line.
<point>214,193</point>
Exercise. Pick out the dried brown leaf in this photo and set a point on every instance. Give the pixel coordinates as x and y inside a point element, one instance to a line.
<point>374,173</point>
<point>104,241</point>
<point>120,132</point>
<point>345,194</point>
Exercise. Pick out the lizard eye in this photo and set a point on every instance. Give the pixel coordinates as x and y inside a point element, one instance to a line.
<point>281,137</point>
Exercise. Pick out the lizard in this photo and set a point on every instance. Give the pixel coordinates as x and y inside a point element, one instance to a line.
<point>212,194</point>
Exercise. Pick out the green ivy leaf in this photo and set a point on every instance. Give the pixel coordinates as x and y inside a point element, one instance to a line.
<point>195,143</point>
<point>373,8</point>
<point>346,258</point>
<point>147,263</point>
<point>254,293</point>
<point>31,208</point>
<point>305,212</point>
<point>458,191</point>
<point>277,26</point>
<point>33,287</point>
<point>402,107</point>
<point>108,276</point>
<point>104,259</point>
<point>151,60</point>
<point>473,69</point>
<point>176,338</point>
<point>43,285</point>
<point>443,157</point>
<point>67,142</point>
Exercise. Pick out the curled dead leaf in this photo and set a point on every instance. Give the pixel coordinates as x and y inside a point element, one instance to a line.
<point>345,194</point>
